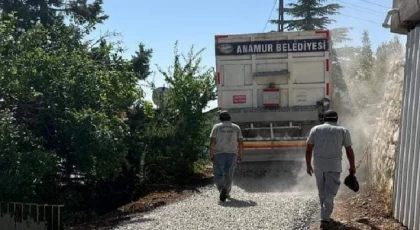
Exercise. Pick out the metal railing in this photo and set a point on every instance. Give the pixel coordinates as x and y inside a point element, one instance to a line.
<point>25,216</point>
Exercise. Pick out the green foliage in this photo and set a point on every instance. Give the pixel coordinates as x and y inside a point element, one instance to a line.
<point>25,165</point>
<point>308,15</point>
<point>78,108</point>
<point>365,58</point>
<point>62,115</point>
<point>177,134</point>
<point>361,78</point>
<point>49,12</point>
<point>140,62</point>
<point>372,71</point>
<point>74,127</point>
<point>338,36</point>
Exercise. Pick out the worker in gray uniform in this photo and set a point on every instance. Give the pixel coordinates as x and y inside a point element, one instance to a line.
<point>226,148</point>
<point>326,141</point>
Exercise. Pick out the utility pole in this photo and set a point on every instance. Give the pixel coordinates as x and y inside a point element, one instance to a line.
<point>281,16</point>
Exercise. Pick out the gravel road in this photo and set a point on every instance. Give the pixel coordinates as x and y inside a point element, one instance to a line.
<point>255,204</point>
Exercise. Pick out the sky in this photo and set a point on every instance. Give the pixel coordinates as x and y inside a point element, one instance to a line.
<point>160,23</point>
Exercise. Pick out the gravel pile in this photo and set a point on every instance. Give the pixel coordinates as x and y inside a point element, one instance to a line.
<point>250,207</point>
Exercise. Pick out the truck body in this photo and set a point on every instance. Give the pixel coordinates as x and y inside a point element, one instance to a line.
<point>276,86</point>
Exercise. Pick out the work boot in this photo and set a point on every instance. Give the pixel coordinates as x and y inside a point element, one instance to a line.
<point>223,194</point>
<point>228,194</point>
<point>324,224</point>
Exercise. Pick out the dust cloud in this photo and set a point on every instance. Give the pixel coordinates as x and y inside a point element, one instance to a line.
<point>360,107</point>
<point>280,176</point>
<point>363,108</point>
<point>359,110</point>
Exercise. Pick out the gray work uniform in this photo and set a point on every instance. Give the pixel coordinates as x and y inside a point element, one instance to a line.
<point>225,154</point>
<point>328,140</point>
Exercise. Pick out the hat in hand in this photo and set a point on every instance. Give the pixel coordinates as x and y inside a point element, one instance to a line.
<point>351,182</point>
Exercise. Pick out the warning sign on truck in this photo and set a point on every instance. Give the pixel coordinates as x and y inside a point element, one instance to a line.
<point>239,99</point>
<point>277,46</point>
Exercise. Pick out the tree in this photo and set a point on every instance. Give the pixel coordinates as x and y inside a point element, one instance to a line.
<point>25,163</point>
<point>48,12</point>
<point>339,36</point>
<point>141,61</point>
<point>387,54</point>
<point>61,115</point>
<point>365,59</point>
<point>181,120</point>
<point>309,14</point>
<point>363,93</point>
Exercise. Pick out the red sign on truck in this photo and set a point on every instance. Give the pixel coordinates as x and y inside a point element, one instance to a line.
<point>239,99</point>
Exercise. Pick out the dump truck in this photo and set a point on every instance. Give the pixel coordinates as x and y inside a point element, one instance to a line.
<point>276,86</point>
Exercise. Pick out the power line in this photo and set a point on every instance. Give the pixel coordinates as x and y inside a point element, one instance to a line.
<point>359,7</point>
<point>271,13</point>
<point>365,11</point>
<point>376,4</point>
<point>362,19</point>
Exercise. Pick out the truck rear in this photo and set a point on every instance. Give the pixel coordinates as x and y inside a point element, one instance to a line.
<point>276,86</point>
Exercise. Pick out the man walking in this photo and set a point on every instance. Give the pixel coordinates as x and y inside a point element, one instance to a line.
<point>326,141</point>
<point>226,148</point>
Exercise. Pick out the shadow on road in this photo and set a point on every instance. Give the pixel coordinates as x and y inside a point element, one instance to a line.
<point>111,223</point>
<point>138,220</point>
<point>235,203</point>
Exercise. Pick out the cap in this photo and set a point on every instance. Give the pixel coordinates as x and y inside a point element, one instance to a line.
<point>351,182</point>
<point>330,114</point>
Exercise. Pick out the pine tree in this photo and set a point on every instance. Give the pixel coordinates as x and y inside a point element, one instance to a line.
<point>308,15</point>
<point>47,12</point>
<point>338,35</point>
<point>342,99</point>
<point>141,61</point>
<point>363,88</point>
<point>365,59</point>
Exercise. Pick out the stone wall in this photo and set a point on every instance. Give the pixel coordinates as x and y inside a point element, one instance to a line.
<point>384,146</point>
